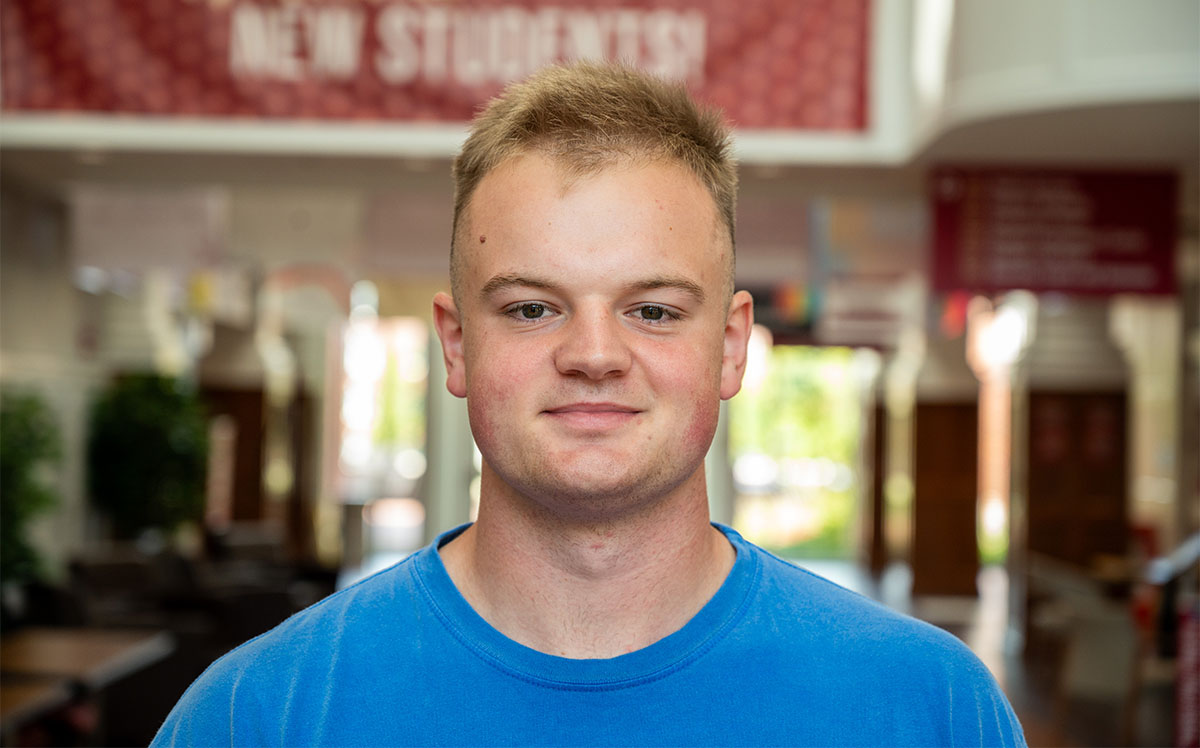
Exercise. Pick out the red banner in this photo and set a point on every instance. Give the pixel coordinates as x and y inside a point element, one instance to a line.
<point>1187,677</point>
<point>1041,230</point>
<point>794,64</point>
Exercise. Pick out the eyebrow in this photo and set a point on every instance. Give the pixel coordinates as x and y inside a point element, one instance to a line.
<point>663,281</point>
<point>503,282</point>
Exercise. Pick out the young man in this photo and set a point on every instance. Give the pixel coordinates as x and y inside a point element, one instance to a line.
<point>593,330</point>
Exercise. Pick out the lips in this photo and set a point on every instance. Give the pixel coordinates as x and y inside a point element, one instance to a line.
<point>592,408</point>
<point>593,416</point>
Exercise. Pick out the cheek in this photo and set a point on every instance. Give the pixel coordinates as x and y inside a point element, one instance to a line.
<point>487,400</point>
<point>696,385</point>
<point>703,424</point>
<point>495,381</point>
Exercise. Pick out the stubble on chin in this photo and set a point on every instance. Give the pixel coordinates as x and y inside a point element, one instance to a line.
<point>589,487</point>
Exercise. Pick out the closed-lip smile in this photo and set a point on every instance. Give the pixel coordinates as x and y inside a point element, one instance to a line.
<point>593,418</point>
<point>592,408</point>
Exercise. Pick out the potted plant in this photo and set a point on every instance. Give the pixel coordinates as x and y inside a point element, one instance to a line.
<point>147,455</point>
<point>29,444</point>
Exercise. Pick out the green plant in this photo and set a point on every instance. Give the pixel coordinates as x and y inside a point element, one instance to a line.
<point>147,454</point>
<point>29,443</point>
<point>806,408</point>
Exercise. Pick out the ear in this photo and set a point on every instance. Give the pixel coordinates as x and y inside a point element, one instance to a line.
<point>737,337</point>
<point>448,323</point>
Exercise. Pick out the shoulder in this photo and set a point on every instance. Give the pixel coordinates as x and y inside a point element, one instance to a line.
<point>364,605</point>
<point>346,626</point>
<point>848,619</point>
<point>936,687</point>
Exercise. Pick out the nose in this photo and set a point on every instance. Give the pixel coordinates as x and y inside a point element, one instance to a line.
<point>593,346</point>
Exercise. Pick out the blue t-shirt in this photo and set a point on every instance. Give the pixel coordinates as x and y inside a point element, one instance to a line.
<point>779,656</point>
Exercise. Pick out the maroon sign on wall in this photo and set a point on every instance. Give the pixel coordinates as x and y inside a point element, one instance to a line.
<point>794,64</point>
<point>1044,230</point>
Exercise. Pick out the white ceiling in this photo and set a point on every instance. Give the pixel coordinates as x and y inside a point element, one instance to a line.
<point>1144,135</point>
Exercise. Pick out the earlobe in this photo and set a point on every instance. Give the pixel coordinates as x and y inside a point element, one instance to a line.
<point>448,322</point>
<point>737,336</point>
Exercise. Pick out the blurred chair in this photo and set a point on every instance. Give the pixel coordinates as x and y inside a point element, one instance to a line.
<point>1100,668</point>
<point>116,589</point>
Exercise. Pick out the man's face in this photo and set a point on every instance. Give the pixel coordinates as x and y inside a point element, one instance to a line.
<point>595,337</point>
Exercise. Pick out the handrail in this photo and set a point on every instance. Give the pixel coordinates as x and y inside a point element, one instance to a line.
<point>1165,568</point>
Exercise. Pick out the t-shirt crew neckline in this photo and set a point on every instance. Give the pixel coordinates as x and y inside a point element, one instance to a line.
<point>656,661</point>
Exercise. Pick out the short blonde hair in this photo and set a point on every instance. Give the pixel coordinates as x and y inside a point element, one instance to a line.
<point>588,116</point>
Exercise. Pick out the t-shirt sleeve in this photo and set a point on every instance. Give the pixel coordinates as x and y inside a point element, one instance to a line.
<point>216,710</point>
<point>980,714</point>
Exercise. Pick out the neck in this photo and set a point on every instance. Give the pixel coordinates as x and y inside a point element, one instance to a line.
<point>591,588</point>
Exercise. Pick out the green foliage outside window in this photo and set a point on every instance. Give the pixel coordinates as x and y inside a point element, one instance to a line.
<point>807,410</point>
<point>807,406</point>
<point>401,407</point>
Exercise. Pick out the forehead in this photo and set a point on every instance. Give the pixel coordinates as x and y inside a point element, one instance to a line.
<point>533,210</point>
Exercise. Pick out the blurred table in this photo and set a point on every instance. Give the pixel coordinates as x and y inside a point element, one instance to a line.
<point>89,657</point>
<point>23,701</point>
<point>43,670</point>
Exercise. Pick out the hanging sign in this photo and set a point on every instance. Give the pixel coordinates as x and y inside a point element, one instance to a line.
<point>870,261</point>
<point>793,64</point>
<point>1042,230</point>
